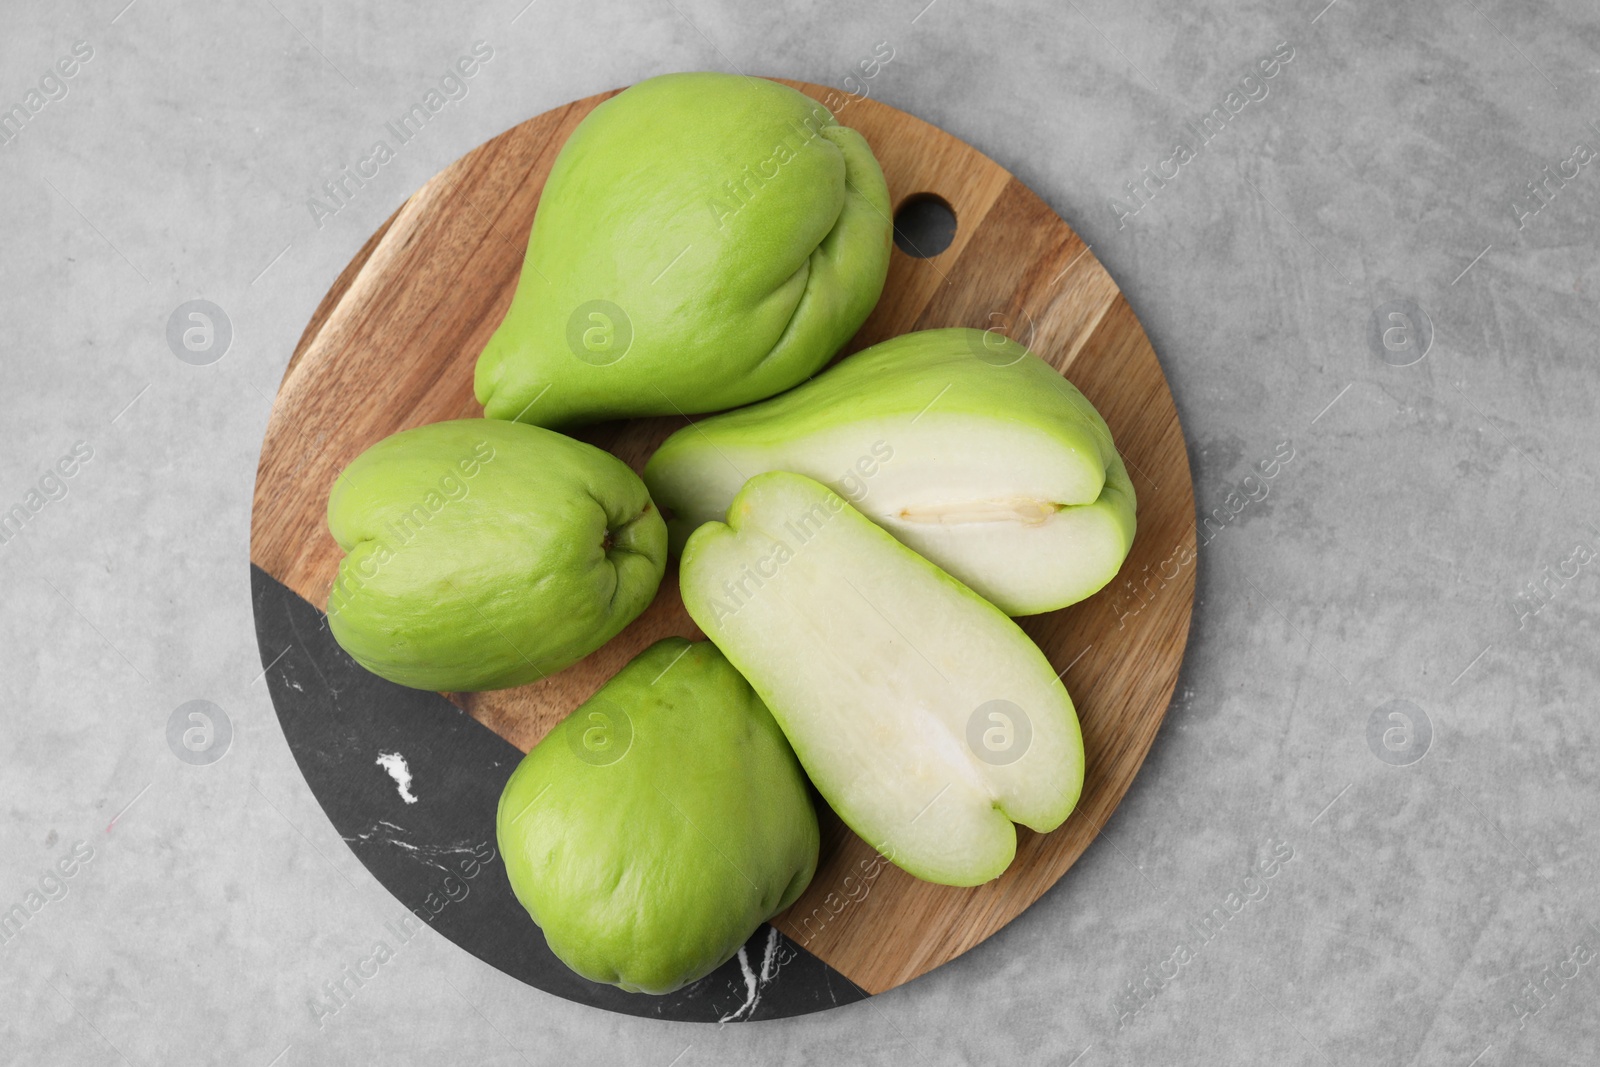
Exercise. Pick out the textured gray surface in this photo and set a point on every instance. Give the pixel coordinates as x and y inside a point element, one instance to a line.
<point>1391,558</point>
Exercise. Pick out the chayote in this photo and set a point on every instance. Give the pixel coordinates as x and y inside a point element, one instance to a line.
<point>482,554</point>
<point>652,831</point>
<point>703,241</point>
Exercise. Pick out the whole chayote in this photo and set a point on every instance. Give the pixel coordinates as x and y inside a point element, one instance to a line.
<point>652,831</point>
<point>703,241</point>
<point>482,554</point>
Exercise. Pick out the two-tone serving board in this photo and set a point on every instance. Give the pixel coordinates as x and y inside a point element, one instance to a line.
<point>392,346</point>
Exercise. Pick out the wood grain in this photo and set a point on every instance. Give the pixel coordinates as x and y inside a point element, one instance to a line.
<point>393,346</point>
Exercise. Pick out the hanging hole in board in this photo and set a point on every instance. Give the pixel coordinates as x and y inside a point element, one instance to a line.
<point>924,225</point>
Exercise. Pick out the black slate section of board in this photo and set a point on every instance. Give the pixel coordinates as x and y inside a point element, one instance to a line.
<point>437,855</point>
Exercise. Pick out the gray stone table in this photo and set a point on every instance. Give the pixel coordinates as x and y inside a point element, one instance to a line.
<point>1382,265</point>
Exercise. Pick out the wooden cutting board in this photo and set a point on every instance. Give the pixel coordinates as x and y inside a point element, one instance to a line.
<point>393,344</point>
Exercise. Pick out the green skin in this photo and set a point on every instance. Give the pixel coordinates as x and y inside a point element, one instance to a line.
<point>956,385</point>
<point>652,831</point>
<point>484,554</point>
<point>740,231</point>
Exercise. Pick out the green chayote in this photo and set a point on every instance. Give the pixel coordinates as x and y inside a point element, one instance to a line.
<point>703,240</point>
<point>652,831</point>
<point>482,554</point>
